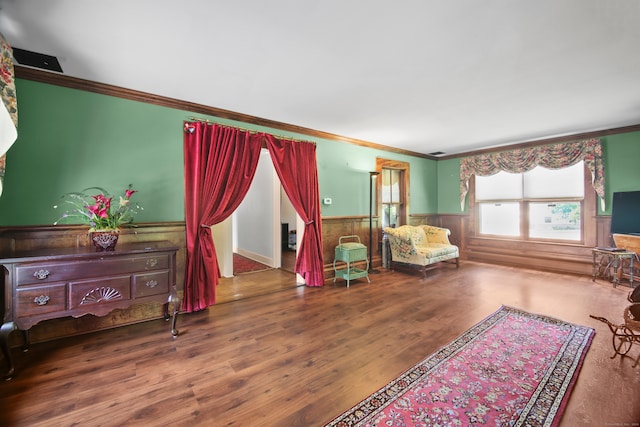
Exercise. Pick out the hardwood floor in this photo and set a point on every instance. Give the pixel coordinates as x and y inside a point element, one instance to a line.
<point>289,260</point>
<point>249,285</point>
<point>300,356</point>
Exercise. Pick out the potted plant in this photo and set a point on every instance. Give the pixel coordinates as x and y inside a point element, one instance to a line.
<point>95,207</point>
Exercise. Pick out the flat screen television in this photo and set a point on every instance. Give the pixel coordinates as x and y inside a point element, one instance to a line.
<point>625,213</point>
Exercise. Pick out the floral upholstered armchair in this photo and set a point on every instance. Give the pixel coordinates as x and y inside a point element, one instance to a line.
<point>420,246</point>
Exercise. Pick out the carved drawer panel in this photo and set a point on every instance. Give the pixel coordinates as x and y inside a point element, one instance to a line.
<point>148,284</point>
<point>34,300</point>
<point>56,272</point>
<point>84,293</point>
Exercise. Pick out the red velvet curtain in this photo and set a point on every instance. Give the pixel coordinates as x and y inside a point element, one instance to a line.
<point>295,164</point>
<point>219,165</point>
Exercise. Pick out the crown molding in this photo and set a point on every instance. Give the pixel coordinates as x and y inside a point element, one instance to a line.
<point>148,98</point>
<point>57,79</point>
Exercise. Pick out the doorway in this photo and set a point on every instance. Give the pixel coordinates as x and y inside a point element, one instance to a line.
<point>288,233</point>
<point>255,230</point>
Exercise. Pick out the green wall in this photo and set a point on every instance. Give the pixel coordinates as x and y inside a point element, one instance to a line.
<point>621,162</point>
<point>70,139</point>
<point>622,165</point>
<point>449,186</point>
<point>343,171</point>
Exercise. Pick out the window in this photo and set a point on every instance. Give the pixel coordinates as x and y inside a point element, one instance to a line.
<point>541,204</point>
<point>392,189</point>
<point>391,196</point>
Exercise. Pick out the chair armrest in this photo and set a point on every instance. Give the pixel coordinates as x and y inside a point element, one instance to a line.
<point>397,234</point>
<point>400,242</point>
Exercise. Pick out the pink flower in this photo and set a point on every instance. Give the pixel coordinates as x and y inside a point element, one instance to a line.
<point>6,75</point>
<point>99,198</point>
<point>94,209</point>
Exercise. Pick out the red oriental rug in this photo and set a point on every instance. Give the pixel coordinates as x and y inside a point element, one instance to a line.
<point>242,264</point>
<point>512,369</point>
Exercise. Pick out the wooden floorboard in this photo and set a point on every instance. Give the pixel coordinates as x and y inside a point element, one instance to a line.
<point>294,356</point>
<point>253,284</point>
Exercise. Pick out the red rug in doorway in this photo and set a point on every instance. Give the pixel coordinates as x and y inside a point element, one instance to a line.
<point>243,264</point>
<point>512,369</point>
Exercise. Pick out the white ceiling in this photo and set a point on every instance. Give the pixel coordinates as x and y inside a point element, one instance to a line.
<point>421,75</point>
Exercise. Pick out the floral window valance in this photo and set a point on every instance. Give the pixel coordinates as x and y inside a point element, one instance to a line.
<point>9,108</point>
<point>554,156</point>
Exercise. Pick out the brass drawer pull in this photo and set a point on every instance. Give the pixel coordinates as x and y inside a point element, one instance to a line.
<point>152,262</point>
<point>151,284</point>
<point>41,274</point>
<point>42,299</point>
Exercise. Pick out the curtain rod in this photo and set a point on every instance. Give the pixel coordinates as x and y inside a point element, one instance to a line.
<point>253,131</point>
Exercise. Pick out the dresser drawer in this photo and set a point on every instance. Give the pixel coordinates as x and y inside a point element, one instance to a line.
<point>153,283</point>
<point>107,266</point>
<point>34,300</point>
<point>45,273</point>
<point>83,293</point>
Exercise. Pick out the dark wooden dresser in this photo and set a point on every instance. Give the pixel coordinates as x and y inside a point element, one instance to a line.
<point>52,283</point>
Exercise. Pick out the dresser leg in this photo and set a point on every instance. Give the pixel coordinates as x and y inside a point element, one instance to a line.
<point>5,331</point>
<point>174,331</point>
<point>173,299</point>
<point>26,340</point>
<point>165,310</point>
